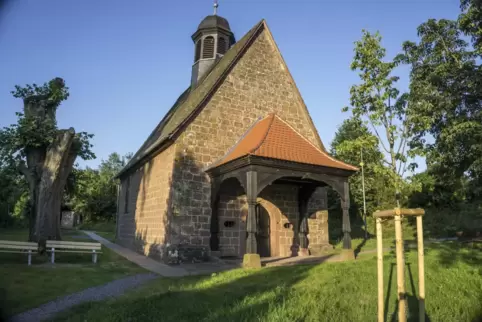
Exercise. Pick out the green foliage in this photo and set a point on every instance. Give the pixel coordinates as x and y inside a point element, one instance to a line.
<point>378,102</point>
<point>12,189</point>
<point>351,140</point>
<point>55,90</point>
<point>470,21</point>
<point>36,126</point>
<point>446,97</point>
<point>93,192</point>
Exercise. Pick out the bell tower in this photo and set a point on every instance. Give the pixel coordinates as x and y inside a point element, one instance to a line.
<point>212,40</point>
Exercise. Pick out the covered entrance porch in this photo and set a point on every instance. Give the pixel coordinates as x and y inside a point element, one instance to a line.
<point>272,154</point>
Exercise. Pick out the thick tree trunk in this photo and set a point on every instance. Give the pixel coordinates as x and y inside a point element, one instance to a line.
<point>57,207</point>
<point>51,187</point>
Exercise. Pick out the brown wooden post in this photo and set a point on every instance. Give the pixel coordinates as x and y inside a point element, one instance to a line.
<point>251,259</point>
<point>380,270</point>
<point>347,252</point>
<point>421,270</point>
<point>304,195</point>
<point>214,240</point>
<point>400,267</point>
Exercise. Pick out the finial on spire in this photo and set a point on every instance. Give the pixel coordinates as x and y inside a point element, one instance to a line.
<point>216,5</point>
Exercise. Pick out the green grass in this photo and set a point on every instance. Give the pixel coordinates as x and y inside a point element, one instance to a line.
<point>107,235</point>
<point>98,226</point>
<point>104,229</point>
<point>23,287</point>
<point>326,292</point>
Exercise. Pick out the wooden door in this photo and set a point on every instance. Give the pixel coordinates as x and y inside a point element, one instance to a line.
<point>264,230</point>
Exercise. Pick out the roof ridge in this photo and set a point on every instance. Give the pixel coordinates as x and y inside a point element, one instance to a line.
<point>197,98</point>
<point>318,149</point>
<point>272,115</point>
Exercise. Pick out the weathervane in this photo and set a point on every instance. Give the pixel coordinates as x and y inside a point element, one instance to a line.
<point>216,5</point>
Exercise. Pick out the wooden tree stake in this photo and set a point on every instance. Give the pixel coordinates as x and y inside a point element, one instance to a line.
<point>400,268</point>
<point>421,271</point>
<point>380,270</point>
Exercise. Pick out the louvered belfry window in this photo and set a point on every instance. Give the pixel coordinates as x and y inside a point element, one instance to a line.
<point>198,51</point>
<point>208,50</point>
<point>221,45</point>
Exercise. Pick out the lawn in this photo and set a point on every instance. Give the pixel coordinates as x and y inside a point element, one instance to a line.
<point>104,229</point>
<point>325,292</point>
<point>23,287</point>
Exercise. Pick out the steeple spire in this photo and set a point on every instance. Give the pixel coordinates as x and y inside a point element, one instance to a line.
<point>216,5</point>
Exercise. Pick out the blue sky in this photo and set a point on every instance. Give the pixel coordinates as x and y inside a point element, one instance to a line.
<point>126,62</point>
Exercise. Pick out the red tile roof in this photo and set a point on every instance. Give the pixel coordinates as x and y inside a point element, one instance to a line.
<point>273,138</point>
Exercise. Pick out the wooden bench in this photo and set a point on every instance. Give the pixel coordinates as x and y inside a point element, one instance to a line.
<point>9,246</point>
<point>58,246</point>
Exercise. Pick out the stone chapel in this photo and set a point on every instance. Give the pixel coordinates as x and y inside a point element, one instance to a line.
<point>236,166</point>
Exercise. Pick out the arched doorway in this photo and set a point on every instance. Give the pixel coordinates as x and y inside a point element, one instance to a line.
<point>263,235</point>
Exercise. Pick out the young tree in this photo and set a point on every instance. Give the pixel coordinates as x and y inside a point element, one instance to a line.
<point>43,153</point>
<point>351,140</point>
<point>378,102</point>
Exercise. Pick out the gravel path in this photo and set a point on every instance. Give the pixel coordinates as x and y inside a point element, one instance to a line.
<point>97,293</point>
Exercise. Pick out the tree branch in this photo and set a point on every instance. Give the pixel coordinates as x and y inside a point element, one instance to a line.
<point>378,135</point>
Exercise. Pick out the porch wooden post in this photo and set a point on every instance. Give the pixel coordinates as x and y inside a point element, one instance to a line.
<point>251,227</point>
<point>304,195</point>
<point>346,227</point>
<point>303,232</point>
<point>214,240</point>
<point>251,258</point>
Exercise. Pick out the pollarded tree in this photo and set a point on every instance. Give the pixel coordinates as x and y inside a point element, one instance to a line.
<point>43,153</point>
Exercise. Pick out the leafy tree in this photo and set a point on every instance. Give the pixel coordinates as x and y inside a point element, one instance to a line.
<point>43,153</point>
<point>11,190</point>
<point>446,96</point>
<point>379,103</point>
<point>470,21</point>
<point>351,140</point>
<point>95,191</point>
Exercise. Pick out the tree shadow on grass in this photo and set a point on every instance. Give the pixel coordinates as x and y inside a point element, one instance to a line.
<point>412,302</point>
<point>250,297</point>
<point>450,253</point>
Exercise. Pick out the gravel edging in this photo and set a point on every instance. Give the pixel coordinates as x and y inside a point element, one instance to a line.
<point>96,293</point>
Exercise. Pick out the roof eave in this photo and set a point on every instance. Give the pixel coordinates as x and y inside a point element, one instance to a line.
<point>161,146</point>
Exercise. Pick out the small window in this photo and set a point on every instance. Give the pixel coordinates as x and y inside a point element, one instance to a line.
<point>221,46</point>
<point>229,224</point>
<point>287,225</point>
<point>126,200</point>
<point>198,51</point>
<point>208,50</point>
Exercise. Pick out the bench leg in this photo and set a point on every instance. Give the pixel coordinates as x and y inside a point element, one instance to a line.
<point>52,257</point>
<point>94,256</point>
<point>29,257</point>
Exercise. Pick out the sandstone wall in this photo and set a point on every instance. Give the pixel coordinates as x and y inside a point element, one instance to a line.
<point>143,226</point>
<point>257,85</point>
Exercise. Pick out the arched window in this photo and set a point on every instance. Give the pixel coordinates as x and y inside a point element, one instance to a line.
<point>221,46</point>
<point>208,50</point>
<point>198,51</point>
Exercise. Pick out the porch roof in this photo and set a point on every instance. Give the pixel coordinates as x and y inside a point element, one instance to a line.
<point>273,138</point>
